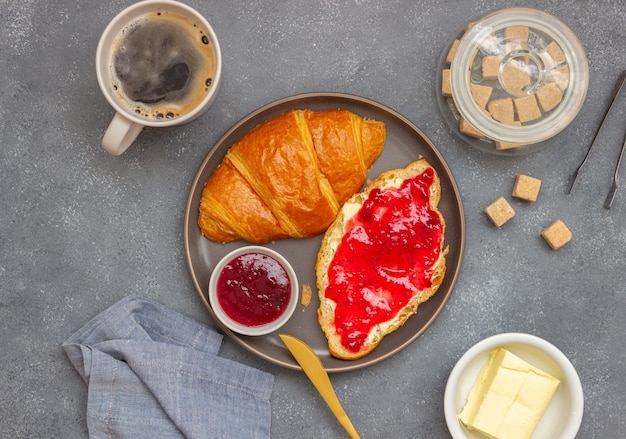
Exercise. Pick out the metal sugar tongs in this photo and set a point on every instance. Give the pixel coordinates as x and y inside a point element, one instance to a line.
<point>611,195</point>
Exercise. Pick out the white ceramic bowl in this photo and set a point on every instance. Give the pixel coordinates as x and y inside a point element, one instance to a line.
<point>564,414</point>
<point>260,329</point>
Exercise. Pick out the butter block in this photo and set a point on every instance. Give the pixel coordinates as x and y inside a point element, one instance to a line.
<point>508,398</point>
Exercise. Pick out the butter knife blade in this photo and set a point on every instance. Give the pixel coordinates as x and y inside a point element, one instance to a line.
<point>314,369</point>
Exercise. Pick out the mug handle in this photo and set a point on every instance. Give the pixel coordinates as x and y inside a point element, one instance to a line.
<point>120,134</point>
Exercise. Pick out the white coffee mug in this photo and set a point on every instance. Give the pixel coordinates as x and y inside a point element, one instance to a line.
<point>132,111</point>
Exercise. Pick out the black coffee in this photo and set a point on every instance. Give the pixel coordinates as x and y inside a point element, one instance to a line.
<point>163,66</point>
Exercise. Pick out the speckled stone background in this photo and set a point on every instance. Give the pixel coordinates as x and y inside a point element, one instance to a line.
<point>80,229</point>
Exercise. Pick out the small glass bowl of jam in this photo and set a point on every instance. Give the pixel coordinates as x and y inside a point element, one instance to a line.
<point>253,290</point>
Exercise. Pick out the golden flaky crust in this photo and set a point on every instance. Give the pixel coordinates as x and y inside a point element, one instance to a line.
<point>289,176</point>
<point>332,238</point>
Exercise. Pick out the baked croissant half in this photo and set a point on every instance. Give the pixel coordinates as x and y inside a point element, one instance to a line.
<point>289,176</point>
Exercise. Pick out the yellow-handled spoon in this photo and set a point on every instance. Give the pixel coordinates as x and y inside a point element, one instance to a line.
<point>314,369</point>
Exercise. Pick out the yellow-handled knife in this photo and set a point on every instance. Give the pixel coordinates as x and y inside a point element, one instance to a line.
<point>314,369</point>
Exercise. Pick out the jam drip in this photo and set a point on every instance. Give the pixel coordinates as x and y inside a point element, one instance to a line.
<point>385,257</point>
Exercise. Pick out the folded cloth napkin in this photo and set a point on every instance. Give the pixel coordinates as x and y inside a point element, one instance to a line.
<point>154,373</point>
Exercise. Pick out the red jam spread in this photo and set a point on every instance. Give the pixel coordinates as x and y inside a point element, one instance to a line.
<point>385,257</point>
<point>253,289</point>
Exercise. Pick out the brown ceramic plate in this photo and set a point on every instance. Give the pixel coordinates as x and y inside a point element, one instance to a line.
<point>405,143</point>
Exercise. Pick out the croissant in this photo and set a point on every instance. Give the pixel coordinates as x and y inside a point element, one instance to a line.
<point>289,176</point>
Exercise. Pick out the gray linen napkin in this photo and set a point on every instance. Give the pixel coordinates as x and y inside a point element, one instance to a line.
<point>153,373</point>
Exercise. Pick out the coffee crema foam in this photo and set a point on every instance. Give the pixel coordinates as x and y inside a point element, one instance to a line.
<point>162,66</point>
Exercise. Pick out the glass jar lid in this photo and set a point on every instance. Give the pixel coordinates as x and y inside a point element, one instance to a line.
<point>519,76</point>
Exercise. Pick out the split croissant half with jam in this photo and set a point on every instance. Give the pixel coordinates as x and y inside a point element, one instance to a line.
<point>289,176</point>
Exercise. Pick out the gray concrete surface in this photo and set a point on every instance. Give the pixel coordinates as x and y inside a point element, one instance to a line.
<point>80,229</point>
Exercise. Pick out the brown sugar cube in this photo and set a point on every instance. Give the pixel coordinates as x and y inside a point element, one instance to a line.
<point>452,51</point>
<point>560,76</point>
<point>469,25</point>
<point>526,187</point>
<point>527,108</point>
<point>307,293</point>
<point>466,128</point>
<point>446,86</point>
<point>556,234</point>
<point>516,33</point>
<point>515,77</point>
<point>500,211</point>
<point>491,65</point>
<point>502,110</point>
<point>502,146</point>
<point>552,55</point>
<point>516,37</point>
<point>481,94</point>
<point>549,96</point>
